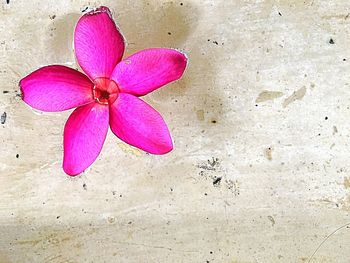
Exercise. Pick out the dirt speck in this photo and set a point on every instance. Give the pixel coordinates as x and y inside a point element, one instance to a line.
<point>268,153</point>
<point>346,182</point>
<point>268,95</point>
<point>3,118</point>
<point>211,165</point>
<point>297,95</point>
<point>217,181</point>
<point>111,219</point>
<point>211,170</point>
<point>129,149</point>
<point>335,130</point>
<point>233,186</point>
<point>331,41</point>
<point>272,220</point>
<point>84,186</point>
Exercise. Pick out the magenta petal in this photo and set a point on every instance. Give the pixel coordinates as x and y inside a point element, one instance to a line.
<point>56,88</point>
<point>138,124</point>
<point>84,135</point>
<point>98,44</point>
<point>148,70</point>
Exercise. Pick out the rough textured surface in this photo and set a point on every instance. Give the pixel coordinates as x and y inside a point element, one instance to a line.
<point>248,181</point>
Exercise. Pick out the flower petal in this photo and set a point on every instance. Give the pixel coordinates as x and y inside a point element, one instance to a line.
<point>84,135</point>
<point>56,88</point>
<point>148,70</point>
<point>98,44</point>
<point>138,124</point>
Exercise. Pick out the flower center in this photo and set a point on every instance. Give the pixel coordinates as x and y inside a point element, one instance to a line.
<point>105,91</point>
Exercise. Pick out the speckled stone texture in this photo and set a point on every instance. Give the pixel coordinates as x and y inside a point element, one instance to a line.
<point>260,171</point>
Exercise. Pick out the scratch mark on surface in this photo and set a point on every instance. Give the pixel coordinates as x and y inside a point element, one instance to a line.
<point>49,164</point>
<point>266,95</point>
<point>200,115</point>
<point>15,71</point>
<point>341,16</point>
<point>226,218</point>
<point>272,220</point>
<point>297,95</point>
<point>331,234</point>
<point>52,258</point>
<point>156,247</point>
<point>29,242</point>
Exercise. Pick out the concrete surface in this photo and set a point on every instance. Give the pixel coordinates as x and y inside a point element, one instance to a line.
<point>260,170</point>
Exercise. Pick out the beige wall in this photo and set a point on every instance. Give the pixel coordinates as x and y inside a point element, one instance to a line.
<point>264,105</point>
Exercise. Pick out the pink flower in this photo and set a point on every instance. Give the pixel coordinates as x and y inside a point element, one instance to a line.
<point>108,95</point>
